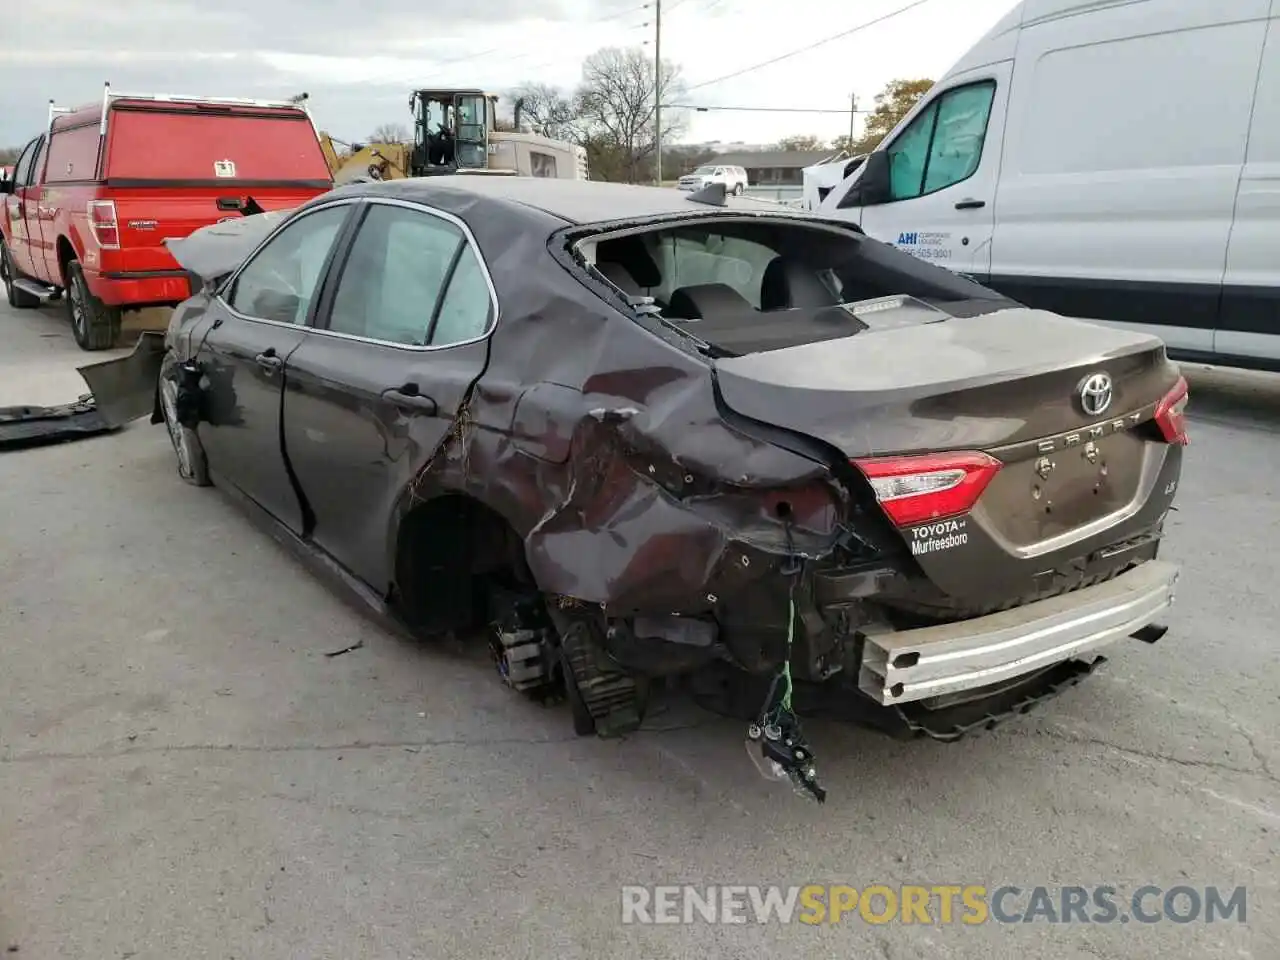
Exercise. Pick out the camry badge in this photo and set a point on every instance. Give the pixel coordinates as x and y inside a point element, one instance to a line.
<point>1095,394</point>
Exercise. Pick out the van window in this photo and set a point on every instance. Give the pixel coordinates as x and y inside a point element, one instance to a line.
<point>958,135</point>
<point>943,145</point>
<point>176,143</point>
<point>907,156</point>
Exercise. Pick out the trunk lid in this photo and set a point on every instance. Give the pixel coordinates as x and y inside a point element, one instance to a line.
<point>1009,384</point>
<point>966,383</point>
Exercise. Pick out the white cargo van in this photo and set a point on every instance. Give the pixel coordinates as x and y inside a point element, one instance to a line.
<point>1108,159</point>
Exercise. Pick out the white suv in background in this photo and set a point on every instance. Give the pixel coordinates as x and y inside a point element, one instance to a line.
<point>733,178</point>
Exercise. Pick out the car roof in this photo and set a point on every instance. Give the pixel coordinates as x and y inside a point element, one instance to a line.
<point>573,201</point>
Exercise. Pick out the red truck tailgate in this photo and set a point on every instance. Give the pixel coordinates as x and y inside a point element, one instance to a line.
<point>147,217</point>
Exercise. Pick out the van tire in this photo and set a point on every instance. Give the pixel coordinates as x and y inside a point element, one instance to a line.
<point>18,299</point>
<point>95,325</point>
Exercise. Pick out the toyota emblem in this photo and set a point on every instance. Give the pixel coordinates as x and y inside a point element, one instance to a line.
<point>1095,394</point>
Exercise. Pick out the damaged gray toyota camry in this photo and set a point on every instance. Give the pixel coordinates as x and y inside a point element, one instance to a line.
<point>637,434</point>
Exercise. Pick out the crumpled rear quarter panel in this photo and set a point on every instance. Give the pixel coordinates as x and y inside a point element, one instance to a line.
<point>577,403</point>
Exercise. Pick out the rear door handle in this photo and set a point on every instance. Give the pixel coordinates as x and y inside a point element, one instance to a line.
<point>971,204</point>
<point>408,398</point>
<point>268,361</point>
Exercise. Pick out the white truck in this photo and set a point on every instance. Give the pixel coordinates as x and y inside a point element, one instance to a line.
<point>1117,161</point>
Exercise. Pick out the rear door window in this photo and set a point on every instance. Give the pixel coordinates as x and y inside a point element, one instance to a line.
<point>281,280</point>
<point>393,285</point>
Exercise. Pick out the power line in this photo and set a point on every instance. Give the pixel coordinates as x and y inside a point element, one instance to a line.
<point>704,108</point>
<point>812,46</point>
<point>617,14</point>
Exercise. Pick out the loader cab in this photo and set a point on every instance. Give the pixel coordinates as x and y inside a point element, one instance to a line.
<point>451,131</point>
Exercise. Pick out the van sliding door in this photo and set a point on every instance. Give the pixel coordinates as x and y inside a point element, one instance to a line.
<point>1249,322</point>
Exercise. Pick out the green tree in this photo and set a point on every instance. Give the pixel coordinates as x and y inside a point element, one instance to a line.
<point>892,104</point>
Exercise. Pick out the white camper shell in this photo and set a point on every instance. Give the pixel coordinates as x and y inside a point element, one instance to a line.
<point>1109,159</point>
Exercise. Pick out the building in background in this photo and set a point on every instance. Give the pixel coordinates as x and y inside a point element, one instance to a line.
<point>773,168</point>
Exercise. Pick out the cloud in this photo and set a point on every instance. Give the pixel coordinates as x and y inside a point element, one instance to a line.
<point>358,59</point>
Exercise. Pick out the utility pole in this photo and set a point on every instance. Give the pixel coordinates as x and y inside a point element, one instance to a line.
<point>657,89</point>
<point>853,113</point>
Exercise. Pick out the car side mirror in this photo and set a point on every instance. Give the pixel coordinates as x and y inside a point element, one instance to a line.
<point>874,184</point>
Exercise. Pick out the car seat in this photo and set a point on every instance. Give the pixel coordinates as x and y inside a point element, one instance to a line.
<point>786,284</point>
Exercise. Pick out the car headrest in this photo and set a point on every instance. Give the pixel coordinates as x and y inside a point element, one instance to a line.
<point>786,284</point>
<point>706,299</point>
<point>617,274</point>
<point>634,256</point>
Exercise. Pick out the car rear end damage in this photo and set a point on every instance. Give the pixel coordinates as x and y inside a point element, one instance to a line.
<point>913,508</point>
<point>933,664</point>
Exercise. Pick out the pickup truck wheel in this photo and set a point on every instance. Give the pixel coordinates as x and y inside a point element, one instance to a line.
<point>18,299</point>
<point>96,326</point>
<point>192,465</point>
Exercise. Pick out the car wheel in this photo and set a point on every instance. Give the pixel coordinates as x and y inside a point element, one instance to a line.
<point>19,299</point>
<point>192,465</point>
<point>95,325</point>
<point>737,189</point>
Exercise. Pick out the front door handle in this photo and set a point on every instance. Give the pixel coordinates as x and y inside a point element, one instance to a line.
<point>407,397</point>
<point>268,361</point>
<point>971,204</point>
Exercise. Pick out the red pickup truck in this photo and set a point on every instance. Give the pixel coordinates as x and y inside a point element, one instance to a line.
<point>92,198</point>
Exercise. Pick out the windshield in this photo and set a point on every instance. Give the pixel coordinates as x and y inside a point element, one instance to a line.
<point>705,171</point>
<point>471,118</point>
<point>732,283</point>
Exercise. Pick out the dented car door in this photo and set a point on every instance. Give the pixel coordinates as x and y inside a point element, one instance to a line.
<point>402,336</point>
<point>262,316</point>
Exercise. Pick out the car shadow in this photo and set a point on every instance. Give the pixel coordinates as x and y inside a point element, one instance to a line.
<point>1234,398</point>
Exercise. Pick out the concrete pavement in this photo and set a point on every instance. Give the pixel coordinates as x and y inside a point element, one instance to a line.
<point>184,774</point>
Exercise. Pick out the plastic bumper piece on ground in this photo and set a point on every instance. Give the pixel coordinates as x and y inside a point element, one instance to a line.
<point>910,665</point>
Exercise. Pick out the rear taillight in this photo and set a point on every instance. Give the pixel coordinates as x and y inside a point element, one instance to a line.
<point>934,486</point>
<point>1171,414</point>
<point>103,225</point>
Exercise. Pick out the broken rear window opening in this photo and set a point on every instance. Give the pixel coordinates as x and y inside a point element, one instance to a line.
<point>747,285</point>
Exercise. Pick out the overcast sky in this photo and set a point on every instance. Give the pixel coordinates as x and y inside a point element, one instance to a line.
<point>359,58</point>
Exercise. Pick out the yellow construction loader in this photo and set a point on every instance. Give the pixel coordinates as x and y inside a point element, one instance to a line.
<point>455,131</point>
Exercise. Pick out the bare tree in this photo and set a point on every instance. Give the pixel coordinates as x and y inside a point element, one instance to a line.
<point>547,110</point>
<point>390,133</point>
<point>802,143</point>
<point>615,103</point>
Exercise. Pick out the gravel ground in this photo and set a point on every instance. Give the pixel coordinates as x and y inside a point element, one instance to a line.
<point>183,773</point>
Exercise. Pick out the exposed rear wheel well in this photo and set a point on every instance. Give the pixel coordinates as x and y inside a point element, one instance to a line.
<point>450,552</point>
<point>66,253</point>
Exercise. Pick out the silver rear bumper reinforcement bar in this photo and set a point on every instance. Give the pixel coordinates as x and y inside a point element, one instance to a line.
<point>910,665</point>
